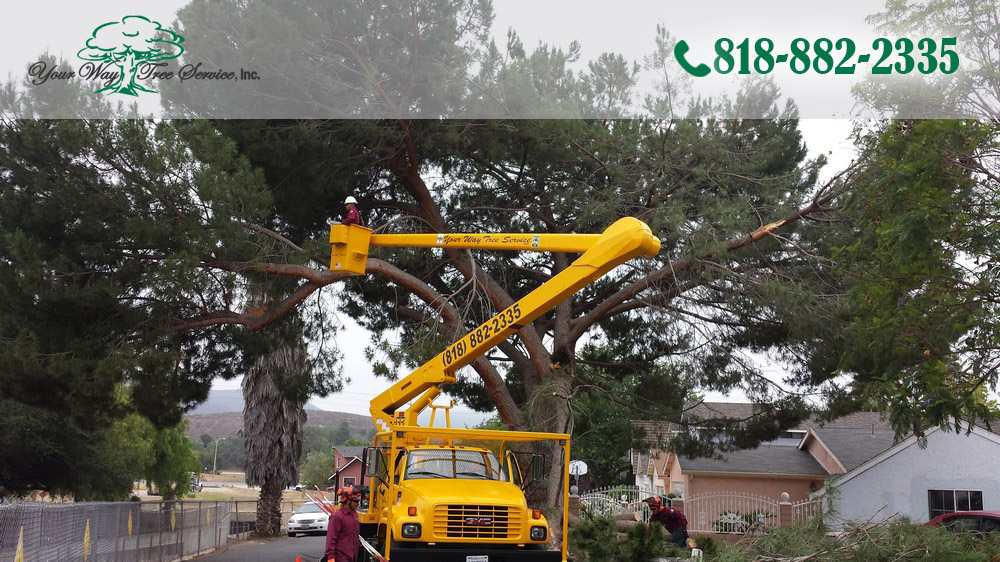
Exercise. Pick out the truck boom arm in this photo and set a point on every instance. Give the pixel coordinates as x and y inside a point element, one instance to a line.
<point>625,239</point>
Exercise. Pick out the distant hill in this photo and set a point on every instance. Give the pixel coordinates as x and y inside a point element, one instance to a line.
<point>228,424</point>
<point>222,401</point>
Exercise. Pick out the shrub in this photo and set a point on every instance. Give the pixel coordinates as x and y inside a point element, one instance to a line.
<point>595,539</point>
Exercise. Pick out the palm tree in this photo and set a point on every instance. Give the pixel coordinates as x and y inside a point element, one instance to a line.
<point>272,423</point>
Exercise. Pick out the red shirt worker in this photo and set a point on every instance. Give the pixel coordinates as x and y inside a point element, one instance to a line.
<point>352,216</point>
<point>342,539</point>
<point>673,520</point>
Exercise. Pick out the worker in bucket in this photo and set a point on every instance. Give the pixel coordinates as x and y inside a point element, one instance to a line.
<point>673,520</point>
<point>342,539</point>
<point>352,216</point>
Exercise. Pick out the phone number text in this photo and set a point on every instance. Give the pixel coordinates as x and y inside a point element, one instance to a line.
<point>824,55</point>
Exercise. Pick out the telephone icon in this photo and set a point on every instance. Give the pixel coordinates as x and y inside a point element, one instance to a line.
<point>680,49</point>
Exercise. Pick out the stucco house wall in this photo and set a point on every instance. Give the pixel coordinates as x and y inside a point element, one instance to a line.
<point>676,481</point>
<point>770,485</point>
<point>823,455</point>
<point>898,480</point>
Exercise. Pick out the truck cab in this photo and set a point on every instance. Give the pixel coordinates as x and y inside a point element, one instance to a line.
<point>455,503</point>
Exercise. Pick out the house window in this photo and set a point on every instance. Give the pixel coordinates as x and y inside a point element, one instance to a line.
<point>950,501</point>
<point>339,460</point>
<point>348,481</point>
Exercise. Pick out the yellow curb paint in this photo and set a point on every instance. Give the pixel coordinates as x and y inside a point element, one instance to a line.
<point>86,542</point>
<point>19,554</point>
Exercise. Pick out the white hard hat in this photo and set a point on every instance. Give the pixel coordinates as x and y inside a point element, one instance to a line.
<point>350,199</point>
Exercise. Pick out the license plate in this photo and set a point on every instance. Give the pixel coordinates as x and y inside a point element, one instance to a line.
<point>477,558</point>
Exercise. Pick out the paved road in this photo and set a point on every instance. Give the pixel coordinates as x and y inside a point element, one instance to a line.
<point>277,550</point>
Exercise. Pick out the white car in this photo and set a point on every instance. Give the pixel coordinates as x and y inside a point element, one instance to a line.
<point>308,519</point>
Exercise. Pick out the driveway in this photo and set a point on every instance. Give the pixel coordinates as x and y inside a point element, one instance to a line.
<point>275,550</point>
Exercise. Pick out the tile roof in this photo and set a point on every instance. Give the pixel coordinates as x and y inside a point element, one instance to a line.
<point>719,410</point>
<point>654,433</point>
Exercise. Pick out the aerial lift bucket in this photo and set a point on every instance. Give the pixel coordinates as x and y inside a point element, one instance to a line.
<point>349,251</point>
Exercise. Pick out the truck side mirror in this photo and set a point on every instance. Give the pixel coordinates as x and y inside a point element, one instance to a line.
<point>371,459</point>
<point>537,467</point>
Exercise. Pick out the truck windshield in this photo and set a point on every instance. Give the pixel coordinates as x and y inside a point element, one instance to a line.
<point>450,463</point>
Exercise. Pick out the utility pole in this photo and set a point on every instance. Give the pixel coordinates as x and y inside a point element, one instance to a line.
<point>215,459</point>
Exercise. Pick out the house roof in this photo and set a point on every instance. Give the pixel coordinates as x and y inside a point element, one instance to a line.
<point>659,432</point>
<point>658,462</point>
<point>655,432</point>
<point>900,446</point>
<point>719,410</point>
<point>852,439</point>
<point>853,446</point>
<point>350,450</point>
<point>769,459</point>
<point>640,462</point>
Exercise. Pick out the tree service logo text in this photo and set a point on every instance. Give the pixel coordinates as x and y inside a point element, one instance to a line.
<point>121,54</point>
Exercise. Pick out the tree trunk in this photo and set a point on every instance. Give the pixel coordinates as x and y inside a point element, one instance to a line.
<point>269,510</point>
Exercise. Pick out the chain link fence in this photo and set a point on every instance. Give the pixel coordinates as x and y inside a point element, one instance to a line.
<point>123,531</point>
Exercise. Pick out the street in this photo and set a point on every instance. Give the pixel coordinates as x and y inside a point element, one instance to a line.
<point>310,549</point>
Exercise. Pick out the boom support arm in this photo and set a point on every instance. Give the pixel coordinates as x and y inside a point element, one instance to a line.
<point>625,239</point>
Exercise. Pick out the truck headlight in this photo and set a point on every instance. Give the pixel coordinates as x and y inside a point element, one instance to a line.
<point>411,530</point>
<point>539,533</point>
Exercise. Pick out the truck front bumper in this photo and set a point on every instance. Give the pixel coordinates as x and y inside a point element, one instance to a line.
<point>473,555</point>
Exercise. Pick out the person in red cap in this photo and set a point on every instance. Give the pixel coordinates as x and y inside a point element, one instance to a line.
<point>342,539</point>
<point>673,520</point>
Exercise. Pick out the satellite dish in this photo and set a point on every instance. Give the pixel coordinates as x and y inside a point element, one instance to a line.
<point>577,468</point>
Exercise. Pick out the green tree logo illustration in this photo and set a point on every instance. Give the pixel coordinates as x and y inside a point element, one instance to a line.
<point>128,44</point>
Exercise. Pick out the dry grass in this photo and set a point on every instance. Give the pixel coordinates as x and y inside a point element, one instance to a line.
<point>234,477</point>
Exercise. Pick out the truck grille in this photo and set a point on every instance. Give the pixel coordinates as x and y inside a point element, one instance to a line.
<point>476,522</point>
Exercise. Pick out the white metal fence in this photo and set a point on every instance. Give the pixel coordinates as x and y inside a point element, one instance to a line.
<point>123,531</point>
<point>729,512</point>
<point>807,510</point>
<point>615,500</point>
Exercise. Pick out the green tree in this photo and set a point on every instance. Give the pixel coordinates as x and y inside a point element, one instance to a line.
<point>924,345</point>
<point>206,439</point>
<point>42,451</point>
<point>317,468</point>
<point>316,439</point>
<point>737,271</point>
<point>173,462</point>
<point>342,434</point>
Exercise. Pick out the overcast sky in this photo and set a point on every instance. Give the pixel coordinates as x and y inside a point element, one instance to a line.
<point>624,26</point>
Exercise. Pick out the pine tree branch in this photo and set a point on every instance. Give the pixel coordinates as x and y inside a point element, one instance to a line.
<point>832,189</point>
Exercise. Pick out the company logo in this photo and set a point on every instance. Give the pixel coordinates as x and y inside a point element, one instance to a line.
<point>129,45</point>
<point>478,522</point>
<point>123,55</point>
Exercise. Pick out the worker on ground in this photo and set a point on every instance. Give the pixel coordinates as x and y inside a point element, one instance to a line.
<point>352,216</point>
<point>673,520</point>
<point>342,539</point>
